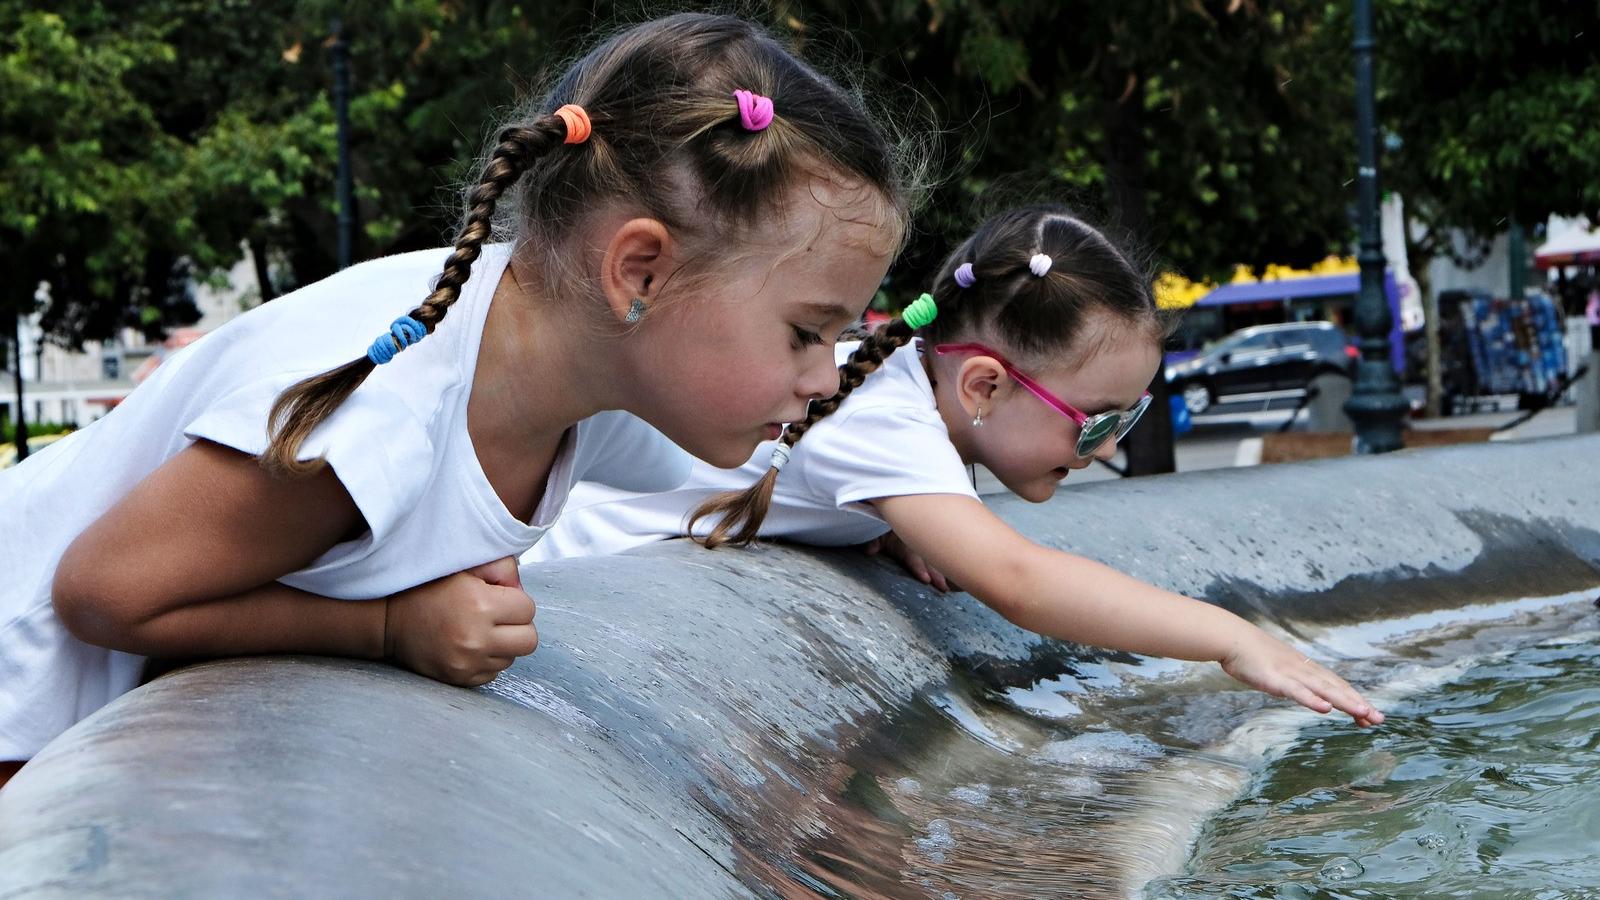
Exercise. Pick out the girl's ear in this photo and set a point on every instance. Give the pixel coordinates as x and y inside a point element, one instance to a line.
<point>638,258</point>
<point>977,381</point>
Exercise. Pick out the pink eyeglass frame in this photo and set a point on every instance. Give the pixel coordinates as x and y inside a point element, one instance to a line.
<point>1126,418</point>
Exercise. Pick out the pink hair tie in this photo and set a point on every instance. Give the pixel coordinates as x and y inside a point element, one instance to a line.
<point>964,276</point>
<point>755,111</point>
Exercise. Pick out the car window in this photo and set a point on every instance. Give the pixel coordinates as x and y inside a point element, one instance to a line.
<point>1297,338</point>
<point>1253,344</point>
<point>1330,342</point>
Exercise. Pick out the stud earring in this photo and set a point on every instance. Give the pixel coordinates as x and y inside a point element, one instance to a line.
<point>977,420</point>
<point>635,311</point>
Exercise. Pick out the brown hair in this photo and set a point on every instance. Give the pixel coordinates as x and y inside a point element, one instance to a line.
<point>1031,318</point>
<point>667,140</point>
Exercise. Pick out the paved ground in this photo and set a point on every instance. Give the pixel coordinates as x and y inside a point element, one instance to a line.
<point>1224,438</point>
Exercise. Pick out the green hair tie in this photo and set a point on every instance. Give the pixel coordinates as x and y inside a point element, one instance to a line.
<point>920,313</point>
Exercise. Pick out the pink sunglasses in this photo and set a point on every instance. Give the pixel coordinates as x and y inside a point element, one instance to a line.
<point>1093,431</point>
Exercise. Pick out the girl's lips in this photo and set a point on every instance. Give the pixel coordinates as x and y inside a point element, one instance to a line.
<point>1060,472</point>
<point>773,429</point>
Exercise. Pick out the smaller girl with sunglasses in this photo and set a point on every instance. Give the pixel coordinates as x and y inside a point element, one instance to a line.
<point>1030,358</point>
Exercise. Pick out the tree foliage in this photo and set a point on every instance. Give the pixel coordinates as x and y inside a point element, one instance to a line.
<point>1213,133</point>
<point>134,137</point>
<point>1495,106</point>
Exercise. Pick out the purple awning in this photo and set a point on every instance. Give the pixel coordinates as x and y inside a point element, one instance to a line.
<point>1286,289</point>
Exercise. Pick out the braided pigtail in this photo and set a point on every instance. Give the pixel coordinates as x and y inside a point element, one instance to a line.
<point>306,404</point>
<point>739,514</point>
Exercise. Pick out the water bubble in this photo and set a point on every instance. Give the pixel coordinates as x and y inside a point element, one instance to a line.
<point>1341,868</point>
<point>1104,749</point>
<point>1081,786</point>
<point>937,841</point>
<point>1433,840</point>
<point>976,795</point>
<point>908,785</point>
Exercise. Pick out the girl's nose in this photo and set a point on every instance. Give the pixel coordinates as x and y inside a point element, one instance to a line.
<point>820,380</point>
<point>1106,451</point>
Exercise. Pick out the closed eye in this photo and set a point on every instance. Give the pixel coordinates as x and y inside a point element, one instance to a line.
<point>806,337</point>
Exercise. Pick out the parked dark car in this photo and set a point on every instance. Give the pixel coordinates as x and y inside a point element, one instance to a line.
<point>1256,363</point>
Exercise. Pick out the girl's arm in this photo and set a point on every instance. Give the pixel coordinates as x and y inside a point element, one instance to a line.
<point>186,565</point>
<point>1072,598</point>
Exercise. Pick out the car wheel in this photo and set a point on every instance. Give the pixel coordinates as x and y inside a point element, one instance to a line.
<point>1197,398</point>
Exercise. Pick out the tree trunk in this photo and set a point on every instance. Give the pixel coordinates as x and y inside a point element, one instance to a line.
<point>20,419</point>
<point>1430,324</point>
<point>258,255</point>
<point>1149,446</point>
<point>1421,256</point>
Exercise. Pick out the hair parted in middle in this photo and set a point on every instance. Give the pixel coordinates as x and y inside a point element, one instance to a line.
<point>661,130</point>
<point>986,288</point>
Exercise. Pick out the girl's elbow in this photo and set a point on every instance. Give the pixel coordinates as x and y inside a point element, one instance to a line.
<point>89,606</point>
<point>1013,608</point>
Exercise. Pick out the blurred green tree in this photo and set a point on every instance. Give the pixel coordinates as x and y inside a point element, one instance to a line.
<point>141,142</point>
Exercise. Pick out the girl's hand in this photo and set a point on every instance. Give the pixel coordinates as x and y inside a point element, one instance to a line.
<point>891,546</point>
<point>1269,665</point>
<point>463,629</point>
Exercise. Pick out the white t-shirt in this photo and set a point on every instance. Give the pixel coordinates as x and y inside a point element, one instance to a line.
<point>885,440</point>
<point>399,446</point>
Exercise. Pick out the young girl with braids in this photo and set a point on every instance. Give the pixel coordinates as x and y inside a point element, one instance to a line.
<point>690,207</point>
<point>1030,357</point>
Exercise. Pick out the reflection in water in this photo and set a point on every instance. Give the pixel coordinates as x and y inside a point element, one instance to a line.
<point>976,791</point>
<point>971,797</point>
<point>1487,787</point>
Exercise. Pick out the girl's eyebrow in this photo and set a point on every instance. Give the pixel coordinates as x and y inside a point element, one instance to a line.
<point>830,311</point>
<point>1102,405</point>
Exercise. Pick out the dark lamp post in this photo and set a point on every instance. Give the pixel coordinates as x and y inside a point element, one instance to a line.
<point>1375,405</point>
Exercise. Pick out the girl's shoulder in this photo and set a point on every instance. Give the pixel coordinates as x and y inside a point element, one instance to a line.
<point>333,321</point>
<point>390,433</point>
<point>338,314</point>
<point>900,382</point>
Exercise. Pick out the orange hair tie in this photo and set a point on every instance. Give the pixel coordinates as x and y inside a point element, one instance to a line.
<point>578,126</point>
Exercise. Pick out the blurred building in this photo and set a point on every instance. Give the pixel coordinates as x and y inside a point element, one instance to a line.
<point>75,387</point>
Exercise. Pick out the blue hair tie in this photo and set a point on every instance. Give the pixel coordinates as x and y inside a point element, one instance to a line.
<point>403,333</point>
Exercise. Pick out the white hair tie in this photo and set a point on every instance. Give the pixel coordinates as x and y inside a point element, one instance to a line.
<point>780,455</point>
<point>1040,265</point>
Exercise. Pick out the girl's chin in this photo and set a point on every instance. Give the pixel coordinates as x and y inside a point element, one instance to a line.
<point>1038,490</point>
<point>728,454</point>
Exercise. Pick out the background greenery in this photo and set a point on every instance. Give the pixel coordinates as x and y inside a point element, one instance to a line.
<point>142,144</point>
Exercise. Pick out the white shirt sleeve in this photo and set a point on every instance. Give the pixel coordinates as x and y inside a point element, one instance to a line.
<point>620,450</point>
<point>380,452</point>
<point>880,451</point>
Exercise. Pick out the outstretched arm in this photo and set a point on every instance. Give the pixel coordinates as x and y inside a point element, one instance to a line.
<point>1072,598</point>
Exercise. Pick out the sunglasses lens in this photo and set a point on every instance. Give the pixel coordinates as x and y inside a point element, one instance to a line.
<point>1095,433</point>
<point>1131,418</point>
